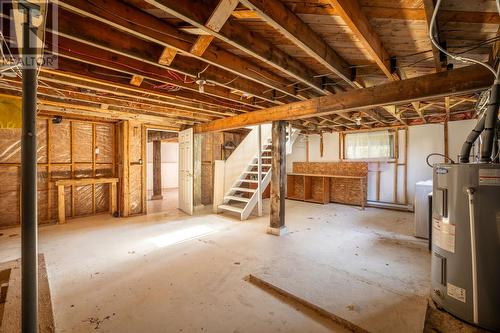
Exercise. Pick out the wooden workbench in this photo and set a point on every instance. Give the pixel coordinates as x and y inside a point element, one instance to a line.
<point>82,182</point>
<point>316,188</point>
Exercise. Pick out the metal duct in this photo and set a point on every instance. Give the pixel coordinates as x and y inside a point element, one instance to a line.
<point>490,124</point>
<point>473,135</point>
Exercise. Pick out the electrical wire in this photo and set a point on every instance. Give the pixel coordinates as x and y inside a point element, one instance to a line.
<point>438,154</point>
<point>456,57</point>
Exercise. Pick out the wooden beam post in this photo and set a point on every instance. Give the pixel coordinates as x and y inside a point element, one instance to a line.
<point>448,83</point>
<point>278,179</point>
<point>157,170</point>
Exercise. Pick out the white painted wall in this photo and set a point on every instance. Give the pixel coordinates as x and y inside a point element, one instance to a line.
<point>169,165</point>
<point>423,140</point>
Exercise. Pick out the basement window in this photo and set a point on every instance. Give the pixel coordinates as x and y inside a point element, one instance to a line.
<point>378,145</point>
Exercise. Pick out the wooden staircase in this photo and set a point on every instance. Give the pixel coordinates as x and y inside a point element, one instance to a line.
<point>242,198</point>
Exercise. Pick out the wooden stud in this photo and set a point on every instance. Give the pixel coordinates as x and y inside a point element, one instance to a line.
<point>49,172</point>
<point>72,156</point>
<point>396,158</point>
<point>60,204</point>
<point>378,182</point>
<point>405,184</point>
<point>93,167</point>
<point>157,187</point>
<point>278,178</point>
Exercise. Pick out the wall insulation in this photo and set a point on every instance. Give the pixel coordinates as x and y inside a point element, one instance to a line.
<point>70,149</point>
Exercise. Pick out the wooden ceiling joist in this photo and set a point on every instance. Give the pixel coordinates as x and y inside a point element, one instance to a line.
<point>351,13</point>
<point>236,35</point>
<point>448,83</point>
<point>69,93</point>
<point>71,49</point>
<point>439,59</point>
<point>137,23</point>
<point>74,74</point>
<point>276,14</point>
<point>384,12</point>
<point>103,36</point>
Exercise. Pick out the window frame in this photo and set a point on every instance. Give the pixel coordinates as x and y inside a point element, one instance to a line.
<point>391,132</point>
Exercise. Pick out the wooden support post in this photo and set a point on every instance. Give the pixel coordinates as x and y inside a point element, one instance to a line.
<point>60,204</point>
<point>307,147</point>
<point>278,179</point>
<point>396,166</point>
<point>405,184</point>
<point>259,172</point>
<point>157,171</point>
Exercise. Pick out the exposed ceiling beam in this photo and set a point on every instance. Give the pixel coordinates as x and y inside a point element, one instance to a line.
<point>439,58</point>
<point>67,92</point>
<point>351,13</point>
<point>215,22</point>
<point>95,56</point>
<point>237,36</point>
<point>85,76</point>
<point>413,14</point>
<point>276,14</point>
<point>459,81</point>
<point>100,35</point>
<point>140,24</point>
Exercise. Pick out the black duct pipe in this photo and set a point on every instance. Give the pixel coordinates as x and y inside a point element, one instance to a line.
<point>490,124</point>
<point>496,148</point>
<point>473,135</point>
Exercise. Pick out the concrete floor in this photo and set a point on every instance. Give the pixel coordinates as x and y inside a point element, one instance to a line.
<point>168,204</point>
<point>176,273</point>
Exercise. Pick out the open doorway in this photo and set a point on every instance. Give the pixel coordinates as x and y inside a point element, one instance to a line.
<point>162,171</point>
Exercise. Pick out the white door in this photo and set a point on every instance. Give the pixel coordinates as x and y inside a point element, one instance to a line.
<point>186,171</point>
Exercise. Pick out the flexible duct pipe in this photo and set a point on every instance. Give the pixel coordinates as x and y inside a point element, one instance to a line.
<point>473,135</point>
<point>490,124</point>
<point>494,152</point>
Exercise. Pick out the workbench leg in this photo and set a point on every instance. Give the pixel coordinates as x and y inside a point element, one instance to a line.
<point>363,200</point>
<point>112,199</point>
<point>61,204</point>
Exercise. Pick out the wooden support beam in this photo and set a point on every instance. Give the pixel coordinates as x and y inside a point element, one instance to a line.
<point>455,82</point>
<point>396,13</point>
<point>278,179</point>
<point>275,13</point>
<point>351,13</point>
<point>440,61</point>
<point>135,22</point>
<point>71,49</point>
<point>157,195</point>
<point>103,36</point>
<point>84,76</point>
<point>237,36</point>
<point>445,126</point>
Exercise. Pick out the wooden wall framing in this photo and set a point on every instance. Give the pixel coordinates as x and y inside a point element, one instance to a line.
<point>65,150</point>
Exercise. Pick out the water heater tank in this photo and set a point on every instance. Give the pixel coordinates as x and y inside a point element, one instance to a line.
<point>466,242</point>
